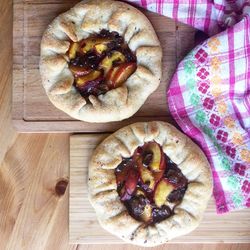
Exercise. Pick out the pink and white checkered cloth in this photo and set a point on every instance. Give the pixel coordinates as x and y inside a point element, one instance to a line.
<point>209,95</point>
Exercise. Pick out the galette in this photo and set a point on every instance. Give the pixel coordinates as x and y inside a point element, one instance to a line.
<point>100,61</point>
<point>149,183</point>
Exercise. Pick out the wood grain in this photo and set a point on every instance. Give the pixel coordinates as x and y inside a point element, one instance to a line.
<point>33,211</point>
<point>8,137</point>
<point>172,247</point>
<point>32,110</point>
<point>84,228</point>
<point>44,204</point>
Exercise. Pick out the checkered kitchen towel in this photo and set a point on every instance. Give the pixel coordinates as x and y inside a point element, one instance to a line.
<point>209,95</point>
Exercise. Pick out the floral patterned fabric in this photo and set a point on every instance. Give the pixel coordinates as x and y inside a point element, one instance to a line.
<point>209,95</point>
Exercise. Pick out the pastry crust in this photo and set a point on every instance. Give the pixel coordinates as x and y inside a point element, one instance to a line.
<point>86,18</point>
<point>110,211</point>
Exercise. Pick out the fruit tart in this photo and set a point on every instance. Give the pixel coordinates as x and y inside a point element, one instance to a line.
<point>149,183</point>
<point>100,61</point>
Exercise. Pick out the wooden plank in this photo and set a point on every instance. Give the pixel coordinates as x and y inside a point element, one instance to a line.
<point>78,126</point>
<point>32,110</point>
<point>7,135</point>
<point>37,105</point>
<point>36,194</point>
<point>171,247</point>
<point>84,228</point>
<point>15,177</point>
<point>18,62</point>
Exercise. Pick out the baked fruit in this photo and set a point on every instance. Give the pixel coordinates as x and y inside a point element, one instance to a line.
<point>100,61</point>
<point>149,183</point>
<point>162,185</point>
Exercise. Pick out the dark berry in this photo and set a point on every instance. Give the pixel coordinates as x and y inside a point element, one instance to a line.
<point>176,195</point>
<point>136,205</point>
<point>161,213</point>
<point>115,34</point>
<point>104,33</point>
<point>130,57</point>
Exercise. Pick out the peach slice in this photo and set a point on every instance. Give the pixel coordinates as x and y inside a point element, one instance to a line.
<point>163,189</point>
<point>147,213</point>
<point>123,73</point>
<point>150,161</point>
<point>145,174</point>
<point>156,163</point>
<point>73,49</point>
<point>124,194</point>
<point>119,74</point>
<point>131,181</point>
<point>89,43</point>
<point>128,177</point>
<point>121,176</point>
<point>94,76</point>
<point>147,177</point>
<point>100,48</point>
<point>79,71</point>
<point>110,76</point>
<point>107,62</point>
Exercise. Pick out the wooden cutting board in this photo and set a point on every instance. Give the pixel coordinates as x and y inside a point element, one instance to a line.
<point>32,110</point>
<point>84,228</point>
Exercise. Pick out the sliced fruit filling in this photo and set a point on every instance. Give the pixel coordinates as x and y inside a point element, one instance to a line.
<point>149,184</point>
<point>100,63</point>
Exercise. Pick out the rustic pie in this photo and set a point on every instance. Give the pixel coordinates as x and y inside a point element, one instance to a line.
<point>100,61</point>
<point>149,183</point>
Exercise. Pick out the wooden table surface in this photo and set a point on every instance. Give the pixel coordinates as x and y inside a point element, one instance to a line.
<point>34,175</point>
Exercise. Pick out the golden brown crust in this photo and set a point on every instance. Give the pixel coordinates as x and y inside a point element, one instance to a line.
<point>103,196</point>
<point>86,18</point>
